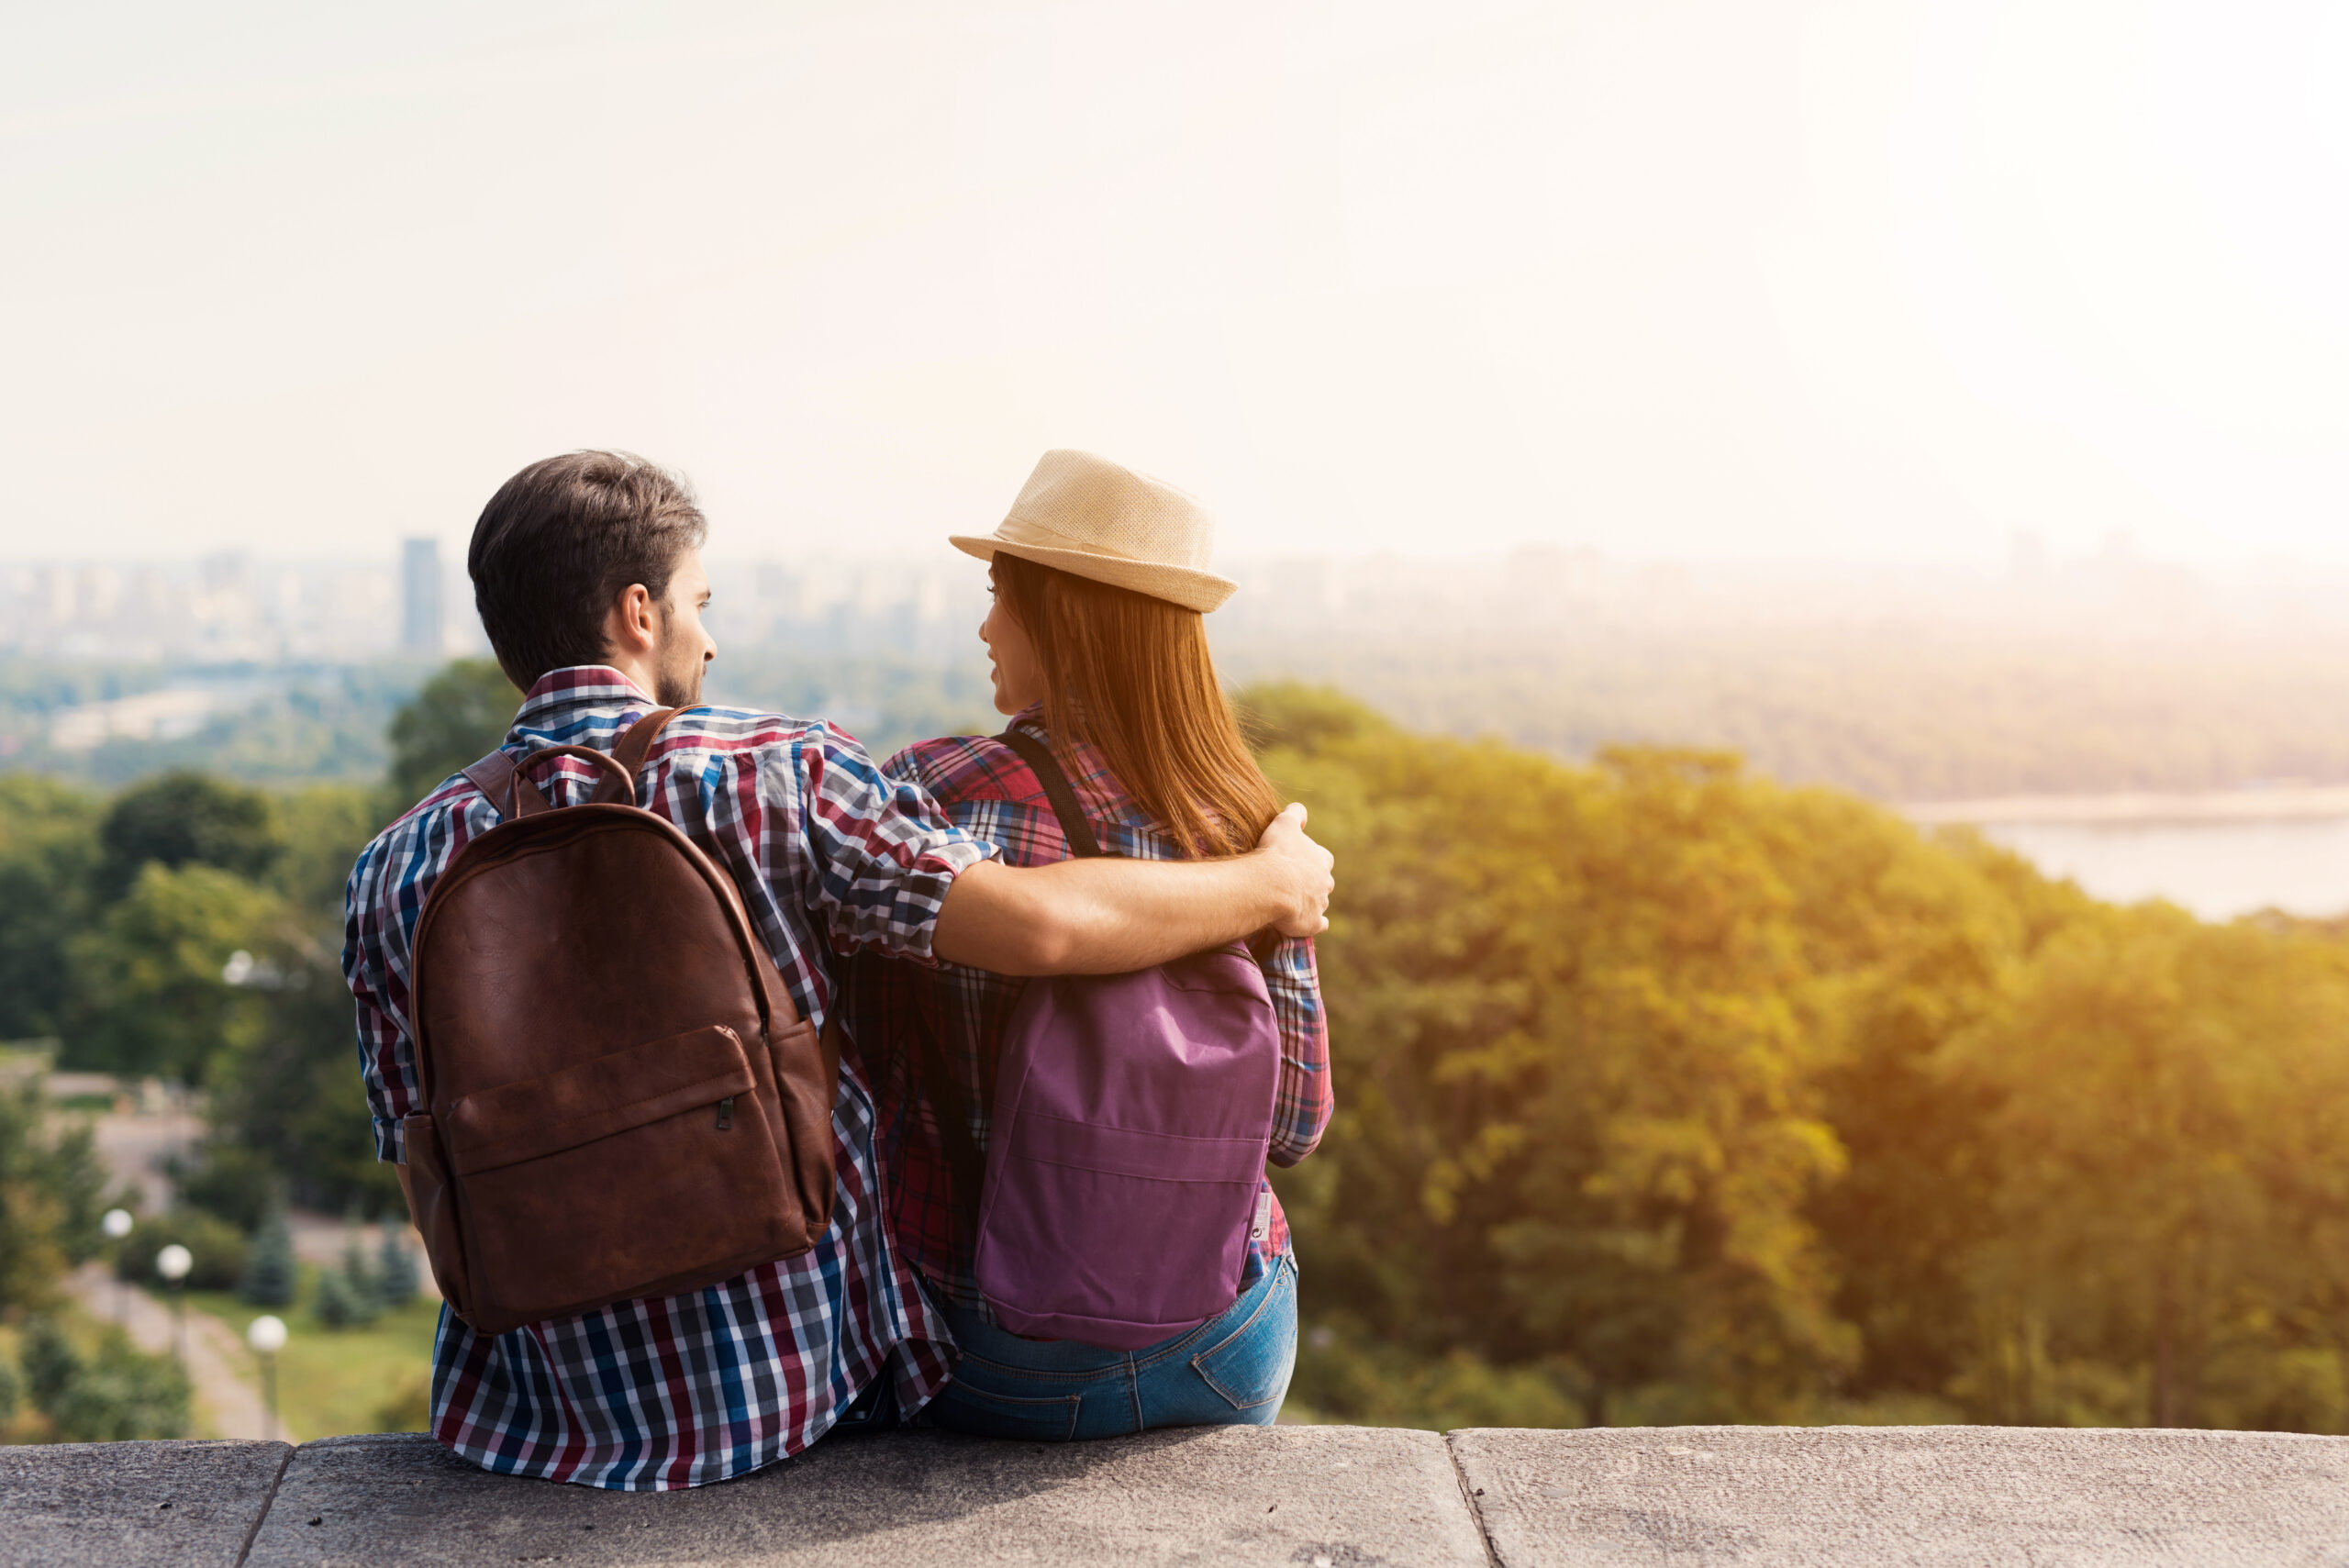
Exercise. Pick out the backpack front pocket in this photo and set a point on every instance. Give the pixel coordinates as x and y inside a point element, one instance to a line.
<point>653,1168</point>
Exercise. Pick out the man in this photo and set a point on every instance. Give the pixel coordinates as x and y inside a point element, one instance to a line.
<point>587,572</point>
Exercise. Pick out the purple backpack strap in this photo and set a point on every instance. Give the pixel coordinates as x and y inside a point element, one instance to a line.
<point>1047,769</point>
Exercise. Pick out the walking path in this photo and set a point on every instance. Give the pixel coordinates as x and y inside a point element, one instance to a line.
<point>226,1383</point>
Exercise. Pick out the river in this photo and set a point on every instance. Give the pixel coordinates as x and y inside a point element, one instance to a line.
<point>2218,855</point>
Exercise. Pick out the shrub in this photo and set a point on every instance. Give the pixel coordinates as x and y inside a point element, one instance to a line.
<point>340,1304</point>
<point>350,1295</point>
<point>270,1274</point>
<point>232,1181</point>
<point>50,1363</point>
<point>395,1278</point>
<point>51,1192</point>
<point>117,1394</point>
<point>218,1248</point>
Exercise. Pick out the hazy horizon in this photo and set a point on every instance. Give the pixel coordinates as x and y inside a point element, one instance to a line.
<point>1705,283</point>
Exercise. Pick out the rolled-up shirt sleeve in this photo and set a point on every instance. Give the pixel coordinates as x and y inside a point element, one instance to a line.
<point>1303,1101</point>
<point>885,852</point>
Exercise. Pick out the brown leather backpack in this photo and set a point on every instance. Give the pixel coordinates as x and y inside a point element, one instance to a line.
<point>621,1100</point>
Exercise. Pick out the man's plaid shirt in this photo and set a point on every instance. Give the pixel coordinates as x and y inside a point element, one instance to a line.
<point>898,1010</point>
<point>831,859</point>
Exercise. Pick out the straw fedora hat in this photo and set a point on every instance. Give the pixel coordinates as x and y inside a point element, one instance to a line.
<point>1088,516</point>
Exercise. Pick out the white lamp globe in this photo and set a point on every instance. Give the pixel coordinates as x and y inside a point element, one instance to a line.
<point>115,1223</point>
<point>174,1263</point>
<point>266,1335</point>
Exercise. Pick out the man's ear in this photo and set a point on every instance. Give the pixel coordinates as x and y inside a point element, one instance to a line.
<point>629,625</point>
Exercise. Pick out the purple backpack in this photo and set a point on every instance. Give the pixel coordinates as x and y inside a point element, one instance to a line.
<point>1126,1152</point>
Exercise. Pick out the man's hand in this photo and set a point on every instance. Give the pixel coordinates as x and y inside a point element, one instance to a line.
<point>1308,865</point>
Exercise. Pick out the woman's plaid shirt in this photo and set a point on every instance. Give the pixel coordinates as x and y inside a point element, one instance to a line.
<point>832,859</point>
<point>897,1010</point>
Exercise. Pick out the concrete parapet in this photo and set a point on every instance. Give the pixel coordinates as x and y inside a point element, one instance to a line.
<point>132,1505</point>
<point>1285,1495</point>
<point>1297,1497</point>
<point>1833,1496</point>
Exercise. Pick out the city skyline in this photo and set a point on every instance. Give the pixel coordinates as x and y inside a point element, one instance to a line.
<point>233,606</point>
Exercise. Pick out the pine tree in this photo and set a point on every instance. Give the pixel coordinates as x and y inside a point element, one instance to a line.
<point>366,1299</point>
<point>395,1266</point>
<point>336,1303</point>
<point>270,1273</point>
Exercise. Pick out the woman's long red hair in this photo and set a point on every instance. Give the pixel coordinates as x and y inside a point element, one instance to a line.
<point>1131,677</point>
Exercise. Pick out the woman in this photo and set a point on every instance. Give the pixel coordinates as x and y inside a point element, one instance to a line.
<point>1099,652</point>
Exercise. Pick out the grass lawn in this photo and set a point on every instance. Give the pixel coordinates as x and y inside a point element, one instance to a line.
<point>334,1381</point>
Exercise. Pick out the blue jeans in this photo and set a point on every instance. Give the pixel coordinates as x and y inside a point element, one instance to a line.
<point>1229,1371</point>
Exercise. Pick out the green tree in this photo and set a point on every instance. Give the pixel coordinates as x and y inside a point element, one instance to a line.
<point>114,1397</point>
<point>1666,1093</point>
<point>158,992</point>
<point>51,1194</point>
<point>340,1304</point>
<point>322,828</point>
<point>1577,1017</point>
<point>460,715</point>
<point>2170,1100</point>
<point>48,862</point>
<point>229,1179</point>
<point>395,1274</point>
<point>217,1248</point>
<point>290,1099</point>
<point>1596,1032</point>
<point>181,818</point>
<point>284,1103</point>
<point>366,1285</point>
<point>1915,1201</point>
<point>270,1272</point>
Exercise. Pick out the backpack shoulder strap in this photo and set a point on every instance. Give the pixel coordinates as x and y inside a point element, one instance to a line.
<point>1047,769</point>
<point>498,777</point>
<point>630,750</point>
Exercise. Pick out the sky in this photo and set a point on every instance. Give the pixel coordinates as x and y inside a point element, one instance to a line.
<point>1894,280</point>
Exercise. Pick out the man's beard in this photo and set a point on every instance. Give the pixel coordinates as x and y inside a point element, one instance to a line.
<point>678,687</point>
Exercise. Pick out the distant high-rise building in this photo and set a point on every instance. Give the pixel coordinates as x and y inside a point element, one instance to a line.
<point>420,596</point>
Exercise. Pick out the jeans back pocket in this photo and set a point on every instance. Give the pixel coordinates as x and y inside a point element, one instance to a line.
<point>959,1407</point>
<point>1250,1367</point>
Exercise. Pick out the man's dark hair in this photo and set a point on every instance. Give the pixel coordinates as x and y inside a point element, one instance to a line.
<point>561,540</point>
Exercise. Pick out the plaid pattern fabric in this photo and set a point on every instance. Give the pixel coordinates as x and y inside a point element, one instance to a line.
<point>898,1010</point>
<point>832,859</point>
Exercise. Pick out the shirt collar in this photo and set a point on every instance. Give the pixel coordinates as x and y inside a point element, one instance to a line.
<point>576,686</point>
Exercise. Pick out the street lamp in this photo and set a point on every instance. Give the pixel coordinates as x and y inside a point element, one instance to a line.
<point>266,1335</point>
<point>116,1224</point>
<point>174,1263</point>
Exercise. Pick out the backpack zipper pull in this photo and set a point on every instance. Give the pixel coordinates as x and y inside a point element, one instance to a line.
<point>726,1114</point>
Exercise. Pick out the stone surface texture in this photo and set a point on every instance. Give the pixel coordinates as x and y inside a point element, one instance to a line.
<point>130,1504</point>
<point>1298,1496</point>
<point>1290,1495</point>
<point>1828,1496</point>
